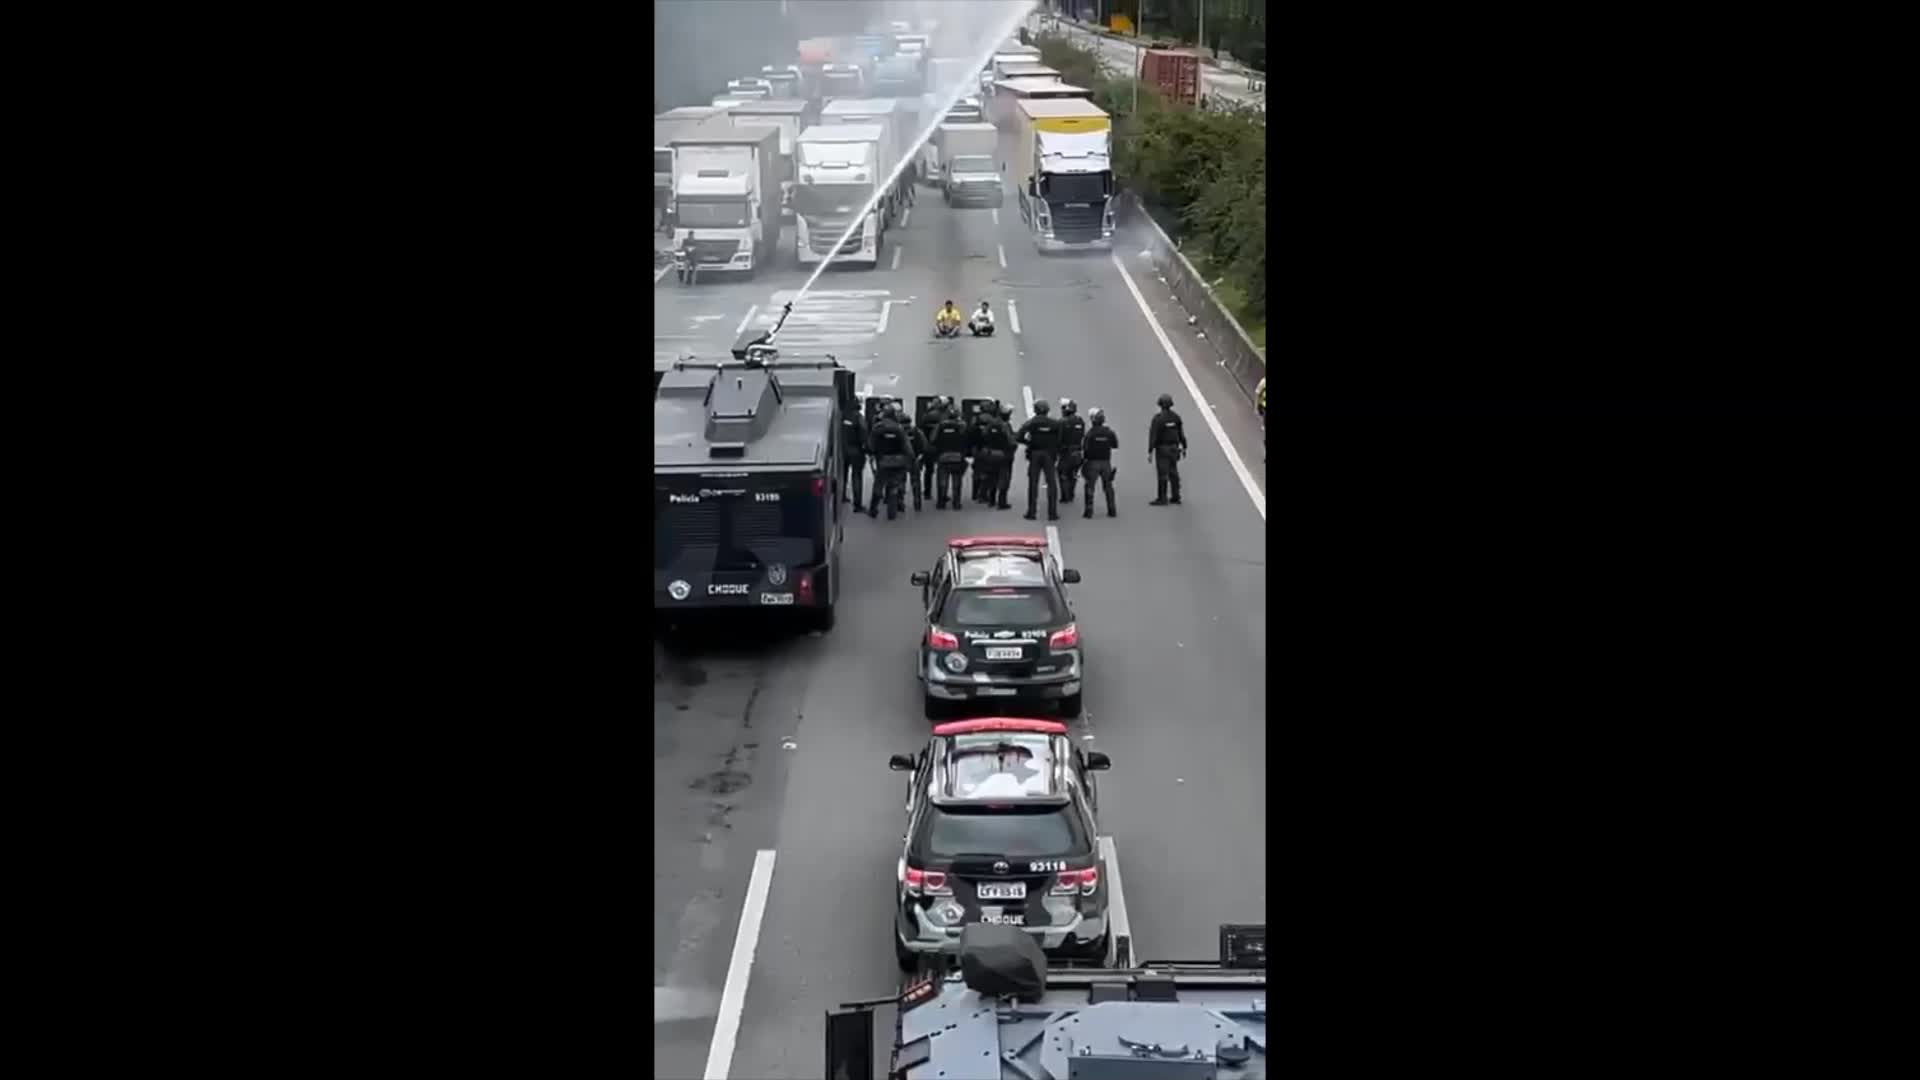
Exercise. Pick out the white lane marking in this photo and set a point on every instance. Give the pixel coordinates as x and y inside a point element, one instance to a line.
<point>743,322</point>
<point>1200,401</point>
<point>1053,542</point>
<point>868,392</point>
<point>662,273</point>
<point>886,307</point>
<point>897,249</point>
<point>904,218</point>
<point>1002,248</point>
<point>1026,396</point>
<point>1117,923</point>
<point>996,217</point>
<point>726,1029</point>
<point>1013,316</point>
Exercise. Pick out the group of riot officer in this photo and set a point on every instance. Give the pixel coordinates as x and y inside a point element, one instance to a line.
<point>931,457</point>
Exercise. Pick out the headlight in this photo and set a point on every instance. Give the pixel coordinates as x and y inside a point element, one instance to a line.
<point>956,662</point>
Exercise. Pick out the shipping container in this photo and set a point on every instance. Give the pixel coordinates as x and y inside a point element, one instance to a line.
<point>1175,72</point>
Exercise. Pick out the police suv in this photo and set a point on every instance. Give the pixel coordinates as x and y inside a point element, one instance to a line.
<point>999,627</point>
<point>1002,829</point>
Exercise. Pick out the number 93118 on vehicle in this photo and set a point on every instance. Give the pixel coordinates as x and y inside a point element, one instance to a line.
<point>999,628</point>
<point>1002,828</point>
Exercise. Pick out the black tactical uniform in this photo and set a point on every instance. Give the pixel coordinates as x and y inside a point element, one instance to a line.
<point>1099,446</point>
<point>950,450</point>
<point>1166,444</point>
<point>920,447</point>
<point>976,436</point>
<point>1041,436</point>
<point>996,447</point>
<point>929,420</point>
<point>853,458</point>
<point>1073,432</point>
<point>892,457</point>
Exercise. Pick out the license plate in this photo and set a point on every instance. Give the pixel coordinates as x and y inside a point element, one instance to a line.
<point>996,691</point>
<point>1004,652</point>
<point>776,598</point>
<point>1004,890</point>
<point>1004,920</point>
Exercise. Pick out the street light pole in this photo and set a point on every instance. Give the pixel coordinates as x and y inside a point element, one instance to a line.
<point>1203,26</point>
<point>1136,59</point>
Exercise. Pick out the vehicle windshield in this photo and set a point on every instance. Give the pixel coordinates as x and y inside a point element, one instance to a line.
<point>1077,187</point>
<point>712,215</point>
<point>972,163</point>
<point>703,525</point>
<point>846,155</point>
<point>663,161</point>
<point>1029,833</point>
<point>1013,608</point>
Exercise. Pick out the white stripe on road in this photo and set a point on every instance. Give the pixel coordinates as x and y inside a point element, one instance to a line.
<point>1118,925</point>
<point>1206,411</point>
<point>996,217</point>
<point>886,307</point>
<point>743,322</point>
<point>1002,248</point>
<point>905,216</point>
<point>662,273</point>
<point>734,998</point>
<point>1026,395</point>
<point>1053,543</point>
<point>1013,316</point>
<point>897,249</point>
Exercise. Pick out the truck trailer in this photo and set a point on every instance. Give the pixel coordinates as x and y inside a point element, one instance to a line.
<point>726,194</point>
<point>789,117</point>
<point>1064,174</point>
<point>1174,72</point>
<point>839,167</point>
<point>1009,93</point>
<point>885,113</point>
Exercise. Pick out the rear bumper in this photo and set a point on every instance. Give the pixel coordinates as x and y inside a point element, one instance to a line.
<point>944,685</point>
<point>918,935</point>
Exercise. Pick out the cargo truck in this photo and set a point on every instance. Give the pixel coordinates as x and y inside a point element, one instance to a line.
<point>945,74</point>
<point>839,166</point>
<point>784,79</point>
<point>842,81</point>
<point>1008,54</point>
<point>970,173</point>
<point>665,126</point>
<point>789,117</point>
<point>885,113</point>
<point>898,76</point>
<point>1009,93</point>
<point>1064,174</point>
<point>1175,72</point>
<point>726,194</point>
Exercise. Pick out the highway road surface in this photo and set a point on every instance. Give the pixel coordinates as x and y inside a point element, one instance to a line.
<point>776,820</point>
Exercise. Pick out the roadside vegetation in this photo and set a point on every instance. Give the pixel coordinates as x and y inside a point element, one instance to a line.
<point>1201,174</point>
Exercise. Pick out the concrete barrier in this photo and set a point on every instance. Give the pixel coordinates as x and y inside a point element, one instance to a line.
<point>1242,358</point>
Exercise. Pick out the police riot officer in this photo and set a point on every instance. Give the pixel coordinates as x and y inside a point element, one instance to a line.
<point>950,450</point>
<point>996,451</point>
<point>1041,436</point>
<point>976,432</point>
<point>1073,432</point>
<point>916,439</point>
<point>1166,444</point>
<point>853,457</point>
<point>1099,446</point>
<point>928,421</point>
<point>892,458</point>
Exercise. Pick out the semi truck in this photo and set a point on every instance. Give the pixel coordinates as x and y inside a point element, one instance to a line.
<point>1009,93</point>
<point>726,195</point>
<point>1064,174</point>
<point>842,81</point>
<point>885,113</point>
<point>839,166</point>
<point>1008,54</point>
<point>1174,72</point>
<point>969,169</point>
<point>899,76</point>
<point>788,117</point>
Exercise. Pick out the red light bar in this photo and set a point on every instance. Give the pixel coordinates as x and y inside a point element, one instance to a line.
<point>1000,723</point>
<point>997,541</point>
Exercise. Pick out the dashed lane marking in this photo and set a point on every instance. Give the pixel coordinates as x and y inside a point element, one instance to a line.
<point>1013,315</point>
<point>1002,249</point>
<point>886,307</point>
<point>1200,402</point>
<point>897,250</point>
<point>1118,925</point>
<point>742,328</point>
<point>1026,397</point>
<point>734,997</point>
<point>1053,544</point>
<point>996,217</point>
<point>905,217</point>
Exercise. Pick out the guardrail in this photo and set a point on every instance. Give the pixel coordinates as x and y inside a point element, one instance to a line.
<point>1243,359</point>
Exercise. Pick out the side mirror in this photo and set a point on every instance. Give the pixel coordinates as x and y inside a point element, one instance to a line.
<point>920,578</point>
<point>904,763</point>
<point>1071,577</point>
<point>1098,762</point>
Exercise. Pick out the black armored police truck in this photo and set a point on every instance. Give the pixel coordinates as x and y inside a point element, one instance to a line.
<point>746,499</point>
